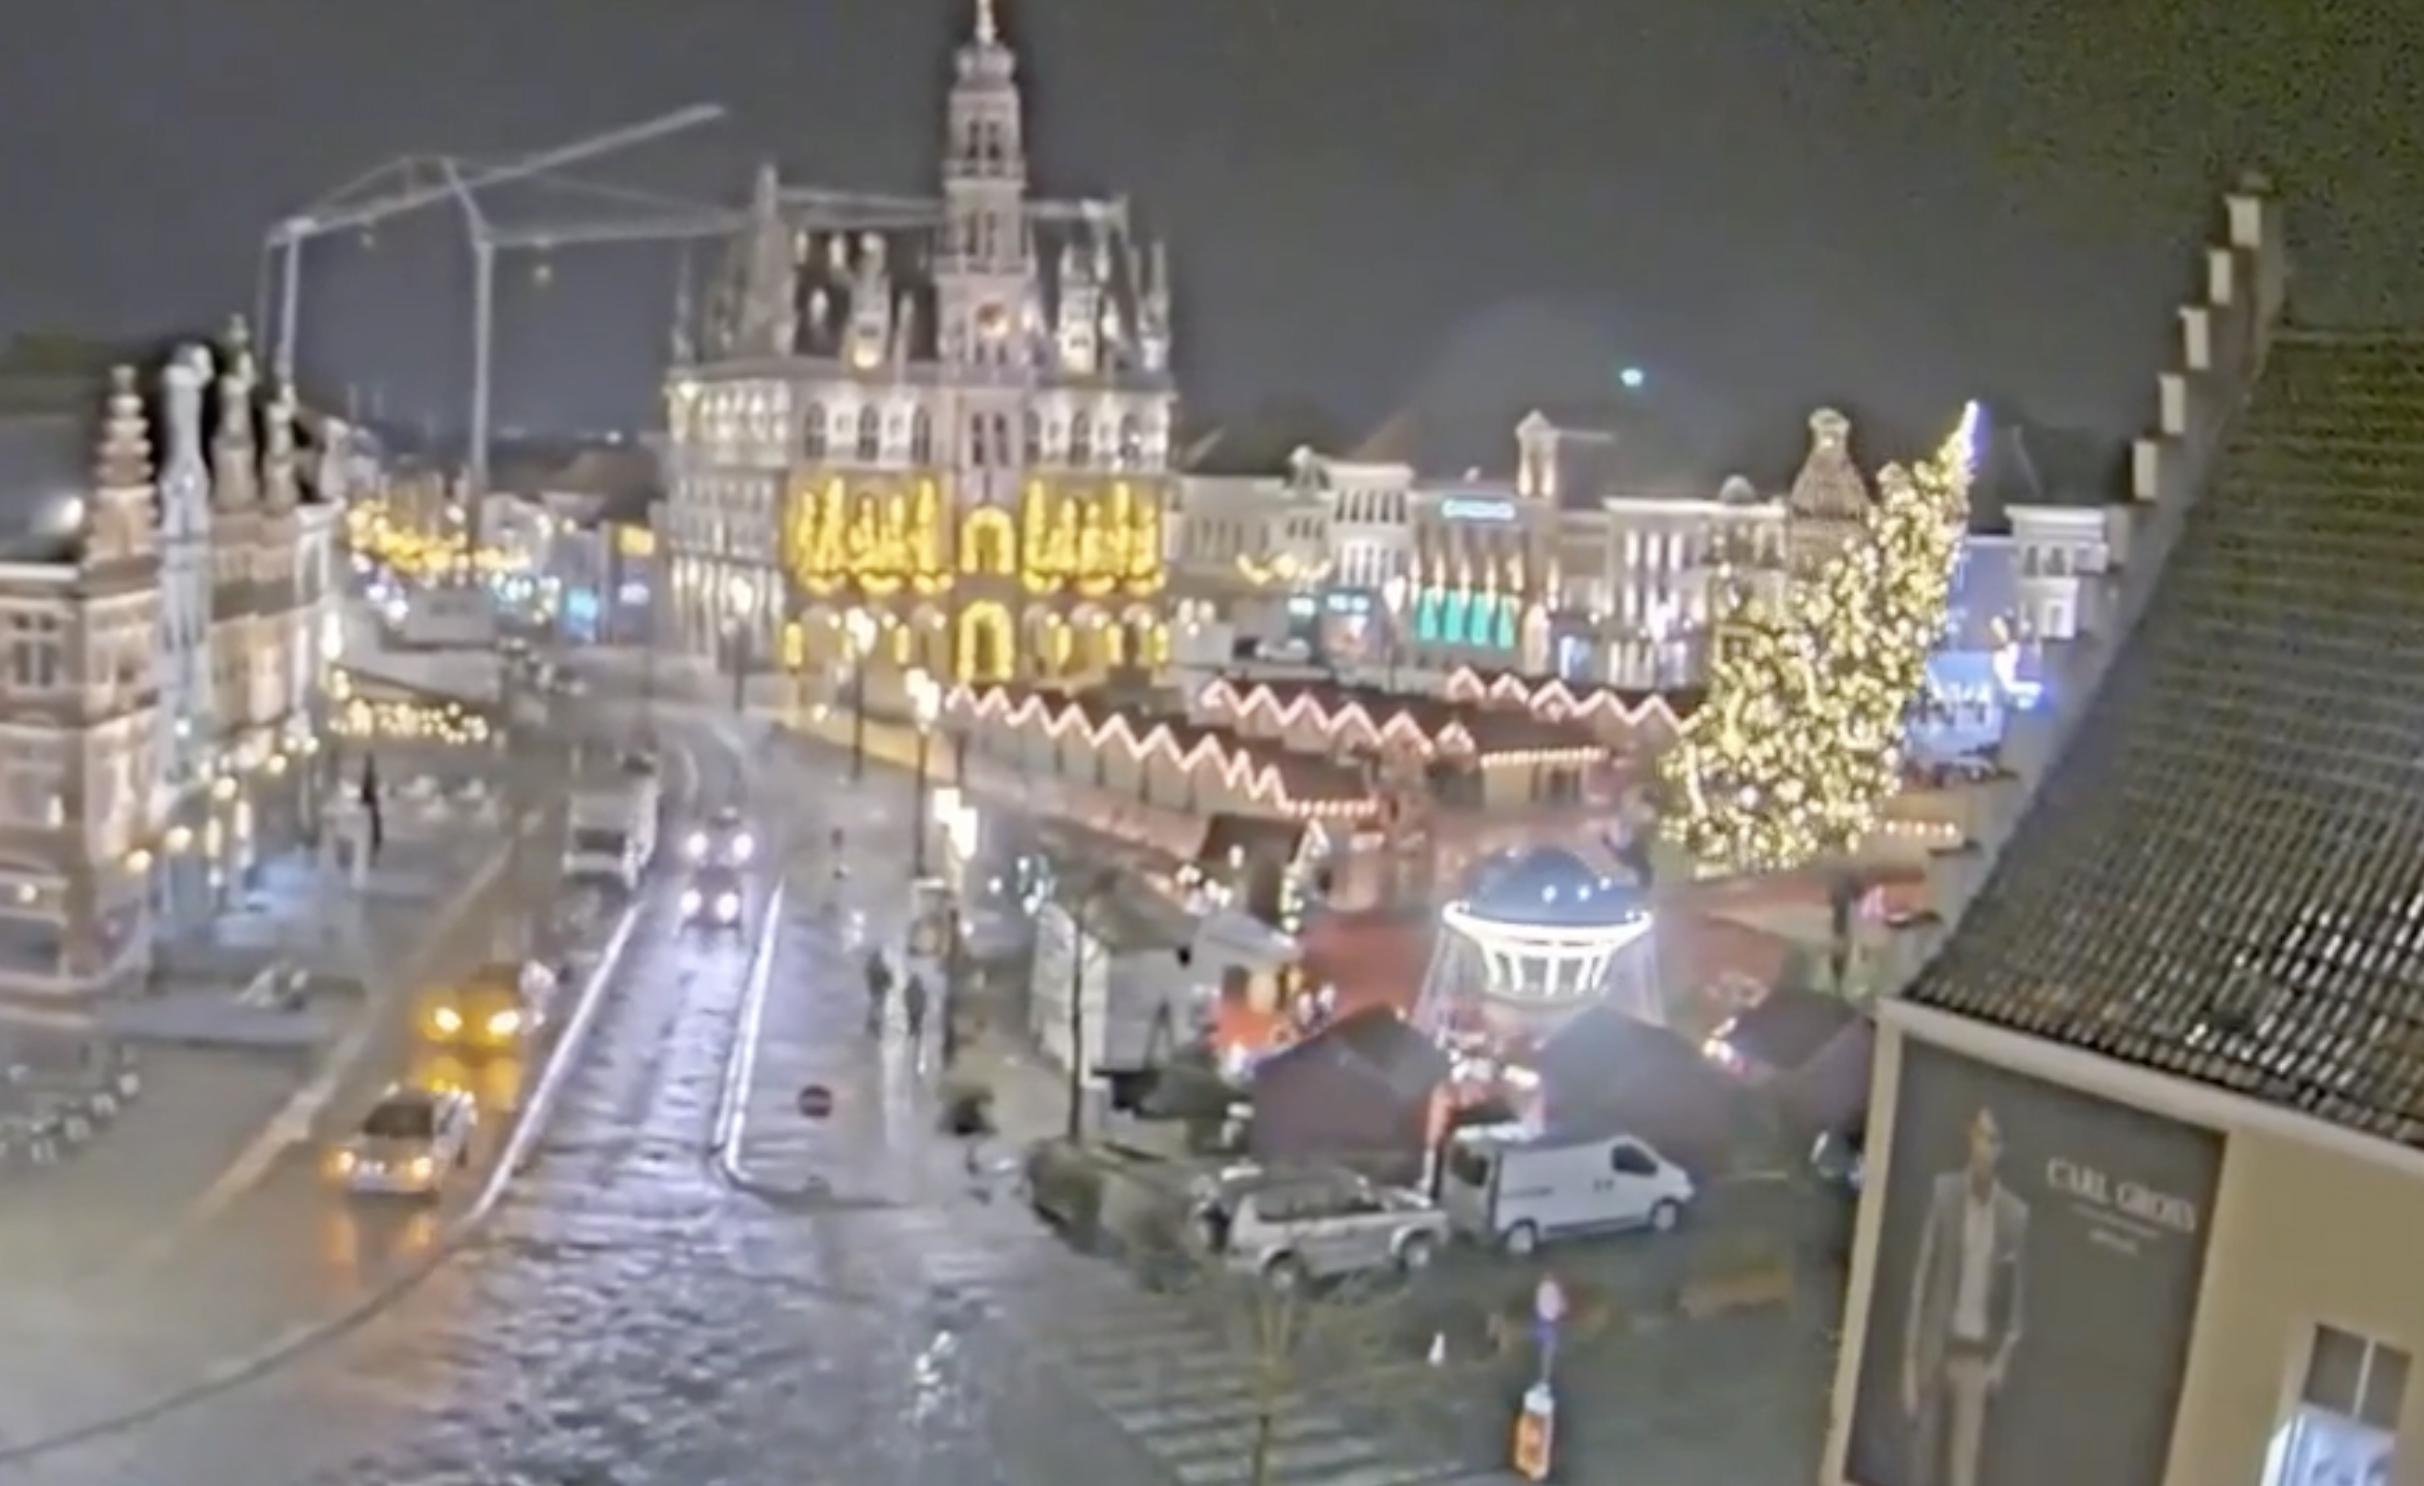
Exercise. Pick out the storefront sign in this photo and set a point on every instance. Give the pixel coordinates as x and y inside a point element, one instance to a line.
<point>2036,1280</point>
<point>1476,508</point>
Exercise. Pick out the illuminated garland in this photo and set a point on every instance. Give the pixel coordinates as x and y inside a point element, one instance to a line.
<point>1799,741</point>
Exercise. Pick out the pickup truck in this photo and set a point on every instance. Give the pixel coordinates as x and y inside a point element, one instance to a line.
<point>1290,1227</point>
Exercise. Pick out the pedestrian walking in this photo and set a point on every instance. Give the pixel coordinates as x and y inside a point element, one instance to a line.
<point>913,1005</point>
<point>879,990</point>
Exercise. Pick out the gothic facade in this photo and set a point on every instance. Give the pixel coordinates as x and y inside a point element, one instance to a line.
<point>939,443</point>
<point>164,634</point>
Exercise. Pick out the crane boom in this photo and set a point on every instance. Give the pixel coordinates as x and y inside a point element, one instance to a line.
<point>634,230</point>
<point>860,206</point>
<point>307,225</point>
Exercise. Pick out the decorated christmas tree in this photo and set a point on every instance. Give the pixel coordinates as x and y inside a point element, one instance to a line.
<point>1799,740</point>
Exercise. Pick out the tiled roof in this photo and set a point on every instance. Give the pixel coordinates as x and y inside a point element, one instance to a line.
<point>2222,878</point>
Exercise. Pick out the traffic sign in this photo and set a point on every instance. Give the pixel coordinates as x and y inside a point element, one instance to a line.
<point>816,1102</point>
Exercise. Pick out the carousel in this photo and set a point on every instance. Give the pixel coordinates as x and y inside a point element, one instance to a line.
<point>1539,936</point>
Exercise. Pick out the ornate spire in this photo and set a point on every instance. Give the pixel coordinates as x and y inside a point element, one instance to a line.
<point>231,447</point>
<point>123,461</point>
<point>767,315</point>
<point>1829,487</point>
<point>985,59</point>
<point>117,517</point>
<point>182,384</point>
<point>278,478</point>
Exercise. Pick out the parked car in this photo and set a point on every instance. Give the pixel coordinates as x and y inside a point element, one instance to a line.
<point>1293,1227</point>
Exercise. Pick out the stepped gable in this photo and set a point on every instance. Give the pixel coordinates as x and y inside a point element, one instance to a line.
<point>2222,877</point>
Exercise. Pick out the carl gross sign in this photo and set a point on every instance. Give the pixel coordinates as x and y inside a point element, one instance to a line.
<point>2126,1210</point>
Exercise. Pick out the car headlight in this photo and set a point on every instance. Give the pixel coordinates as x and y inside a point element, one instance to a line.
<point>742,846</point>
<point>728,907</point>
<point>504,1023</point>
<point>343,1162</point>
<point>694,845</point>
<point>446,1019</point>
<point>690,900</point>
<point>422,1166</point>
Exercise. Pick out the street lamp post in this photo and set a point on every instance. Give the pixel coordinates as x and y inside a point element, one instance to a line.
<point>1080,914</point>
<point>925,705</point>
<point>860,630</point>
<point>740,597</point>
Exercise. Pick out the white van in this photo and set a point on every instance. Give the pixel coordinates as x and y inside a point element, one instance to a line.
<point>610,832</point>
<point>1504,1184</point>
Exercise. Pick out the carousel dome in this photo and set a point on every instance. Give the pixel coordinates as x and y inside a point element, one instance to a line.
<point>1550,887</point>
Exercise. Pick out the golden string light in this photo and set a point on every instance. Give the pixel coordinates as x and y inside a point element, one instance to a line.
<point>1800,740</point>
<point>885,540</point>
<point>411,552</point>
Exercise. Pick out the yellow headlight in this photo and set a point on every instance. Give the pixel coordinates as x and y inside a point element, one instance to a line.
<point>423,1166</point>
<point>504,1024</point>
<point>446,1019</point>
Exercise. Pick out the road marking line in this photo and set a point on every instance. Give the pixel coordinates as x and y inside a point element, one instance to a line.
<point>740,1064</point>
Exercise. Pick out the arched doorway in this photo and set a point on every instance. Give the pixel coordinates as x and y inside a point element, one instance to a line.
<point>987,642</point>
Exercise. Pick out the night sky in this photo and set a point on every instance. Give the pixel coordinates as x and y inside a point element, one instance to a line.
<point>1895,204</point>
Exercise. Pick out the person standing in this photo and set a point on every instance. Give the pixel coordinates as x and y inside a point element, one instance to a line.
<point>1968,1299</point>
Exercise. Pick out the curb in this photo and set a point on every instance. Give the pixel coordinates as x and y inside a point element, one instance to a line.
<point>731,1129</point>
<point>725,1147</point>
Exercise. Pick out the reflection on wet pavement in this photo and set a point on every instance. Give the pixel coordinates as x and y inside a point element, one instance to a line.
<point>624,1318</point>
<point>627,1319</point>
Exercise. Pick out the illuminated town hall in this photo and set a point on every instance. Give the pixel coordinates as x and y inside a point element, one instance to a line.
<point>926,434</point>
